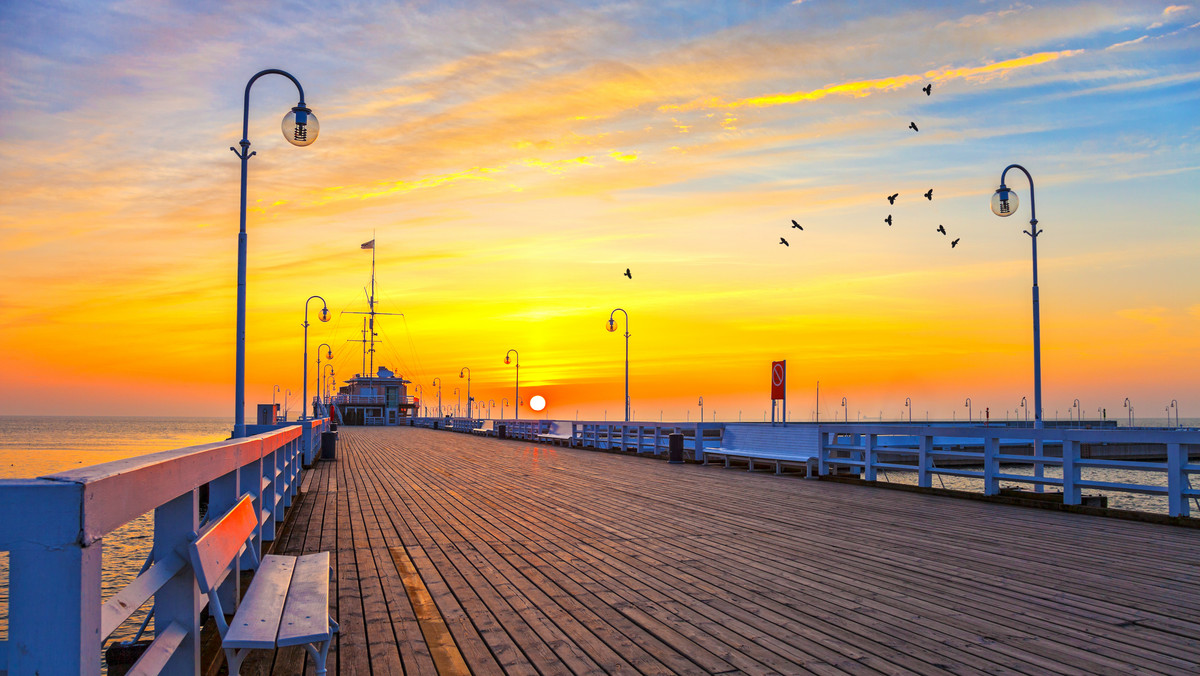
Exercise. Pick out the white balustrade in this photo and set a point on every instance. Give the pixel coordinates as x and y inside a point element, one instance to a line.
<point>54,528</point>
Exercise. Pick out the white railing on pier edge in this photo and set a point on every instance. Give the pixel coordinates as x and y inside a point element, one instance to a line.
<point>53,529</point>
<point>639,437</point>
<point>858,447</point>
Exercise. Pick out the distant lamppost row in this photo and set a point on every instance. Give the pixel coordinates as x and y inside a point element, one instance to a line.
<point>329,352</point>
<point>517,414</point>
<point>438,382</point>
<point>460,374</point>
<point>323,315</point>
<point>1005,203</point>
<point>300,128</point>
<point>612,326</point>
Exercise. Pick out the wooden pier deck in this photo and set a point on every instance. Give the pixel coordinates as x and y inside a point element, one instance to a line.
<point>455,553</point>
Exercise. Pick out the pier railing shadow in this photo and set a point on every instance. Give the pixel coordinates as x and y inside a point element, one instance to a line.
<point>54,528</point>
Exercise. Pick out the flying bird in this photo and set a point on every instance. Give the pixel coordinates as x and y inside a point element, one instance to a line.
<point>628,274</point>
<point>888,220</point>
<point>927,88</point>
<point>892,198</point>
<point>954,243</point>
<point>913,126</point>
<point>929,195</point>
<point>783,242</point>
<point>796,225</point>
<point>942,229</point>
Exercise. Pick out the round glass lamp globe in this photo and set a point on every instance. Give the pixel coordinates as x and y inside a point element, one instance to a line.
<point>612,325</point>
<point>1004,202</point>
<point>537,402</point>
<point>323,315</point>
<point>506,360</point>
<point>300,126</point>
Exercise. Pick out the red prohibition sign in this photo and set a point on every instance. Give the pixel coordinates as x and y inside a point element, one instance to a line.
<point>777,374</point>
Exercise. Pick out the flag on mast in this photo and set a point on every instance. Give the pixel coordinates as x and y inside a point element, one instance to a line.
<point>368,245</point>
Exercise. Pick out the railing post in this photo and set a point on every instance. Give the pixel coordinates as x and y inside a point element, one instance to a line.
<point>869,457</point>
<point>250,481</point>
<point>698,445</point>
<point>991,466</point>
<point>925,462</point>
<point>53,583</point>
<point>1039,467</point>
<point>1177,505</point>
<point>175,524</point>
<point>1070,453</point>
<point>280,485</point>
<point>822,452</point>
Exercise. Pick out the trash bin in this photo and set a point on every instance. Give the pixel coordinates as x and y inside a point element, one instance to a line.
<point>675,448</point>
<point>501,431</point>
<point>329,445</point>
<point>332,426</point>
<point>435,424</point>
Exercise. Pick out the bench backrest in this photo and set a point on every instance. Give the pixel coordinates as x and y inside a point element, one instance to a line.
<point>559,429</point>
<point>486,426</point>
<point>214,551</point>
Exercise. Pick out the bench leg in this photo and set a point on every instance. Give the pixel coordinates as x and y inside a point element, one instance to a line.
<point>234,658</point>
<point>319,655</point>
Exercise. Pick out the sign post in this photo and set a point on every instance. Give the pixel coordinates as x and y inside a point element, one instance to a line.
<point>779,389</point>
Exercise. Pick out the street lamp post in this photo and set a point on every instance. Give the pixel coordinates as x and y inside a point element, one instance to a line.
<point>701,409</point>
<point>329,353</point>
<point>323,315</point>
<point>1174,405</point>
<point>1130,407</point>
<point>438,382</point>
<point>458,405</point>
<point>300,128</point>
<point>1078,412</point>
<point>287,395</point>
<point>908,405</point>
<point>460,374</point>
<point>273,393</point>
<point>325,381</point>
<point>517,414</point>
<point>503,403</point>
<point>612,326</point>
<point>1025,406</point>
<point>1005,203</point>
<point>967,403</point>
<point>491,403</point>
<point>845,410</point>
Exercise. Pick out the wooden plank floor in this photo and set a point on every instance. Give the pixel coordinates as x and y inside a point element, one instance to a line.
<point>542,559</point>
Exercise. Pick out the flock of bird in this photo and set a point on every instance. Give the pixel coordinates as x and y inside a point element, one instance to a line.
<point>928,89</point>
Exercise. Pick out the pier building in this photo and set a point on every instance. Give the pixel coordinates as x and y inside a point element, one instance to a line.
<point>380,399</point>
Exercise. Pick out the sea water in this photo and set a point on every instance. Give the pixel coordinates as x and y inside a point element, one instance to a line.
<point>34,446</point>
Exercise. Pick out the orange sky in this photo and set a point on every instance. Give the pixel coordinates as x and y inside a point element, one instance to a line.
<point>510,178</point>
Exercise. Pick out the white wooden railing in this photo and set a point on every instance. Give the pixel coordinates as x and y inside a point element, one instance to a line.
<point>860,448</point>
<point>53,528</point>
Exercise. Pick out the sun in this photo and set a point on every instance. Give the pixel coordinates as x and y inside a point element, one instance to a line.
<point>537,402</point>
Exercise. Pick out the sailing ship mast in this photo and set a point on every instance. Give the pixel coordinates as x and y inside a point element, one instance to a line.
<point>369,332</point>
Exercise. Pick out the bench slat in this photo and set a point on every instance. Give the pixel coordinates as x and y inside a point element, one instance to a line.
<point>256,623</point>
<point>213,551</point>
<point>306,613</point>
<point>160,651</point>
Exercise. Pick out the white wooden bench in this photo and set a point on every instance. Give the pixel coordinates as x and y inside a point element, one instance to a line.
<point>770,458</point>
<point>487,429</point>
<point>287,603</point>
<point>558,432</point>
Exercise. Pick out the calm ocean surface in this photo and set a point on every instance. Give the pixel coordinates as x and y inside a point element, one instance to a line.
<point>41,445</point>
